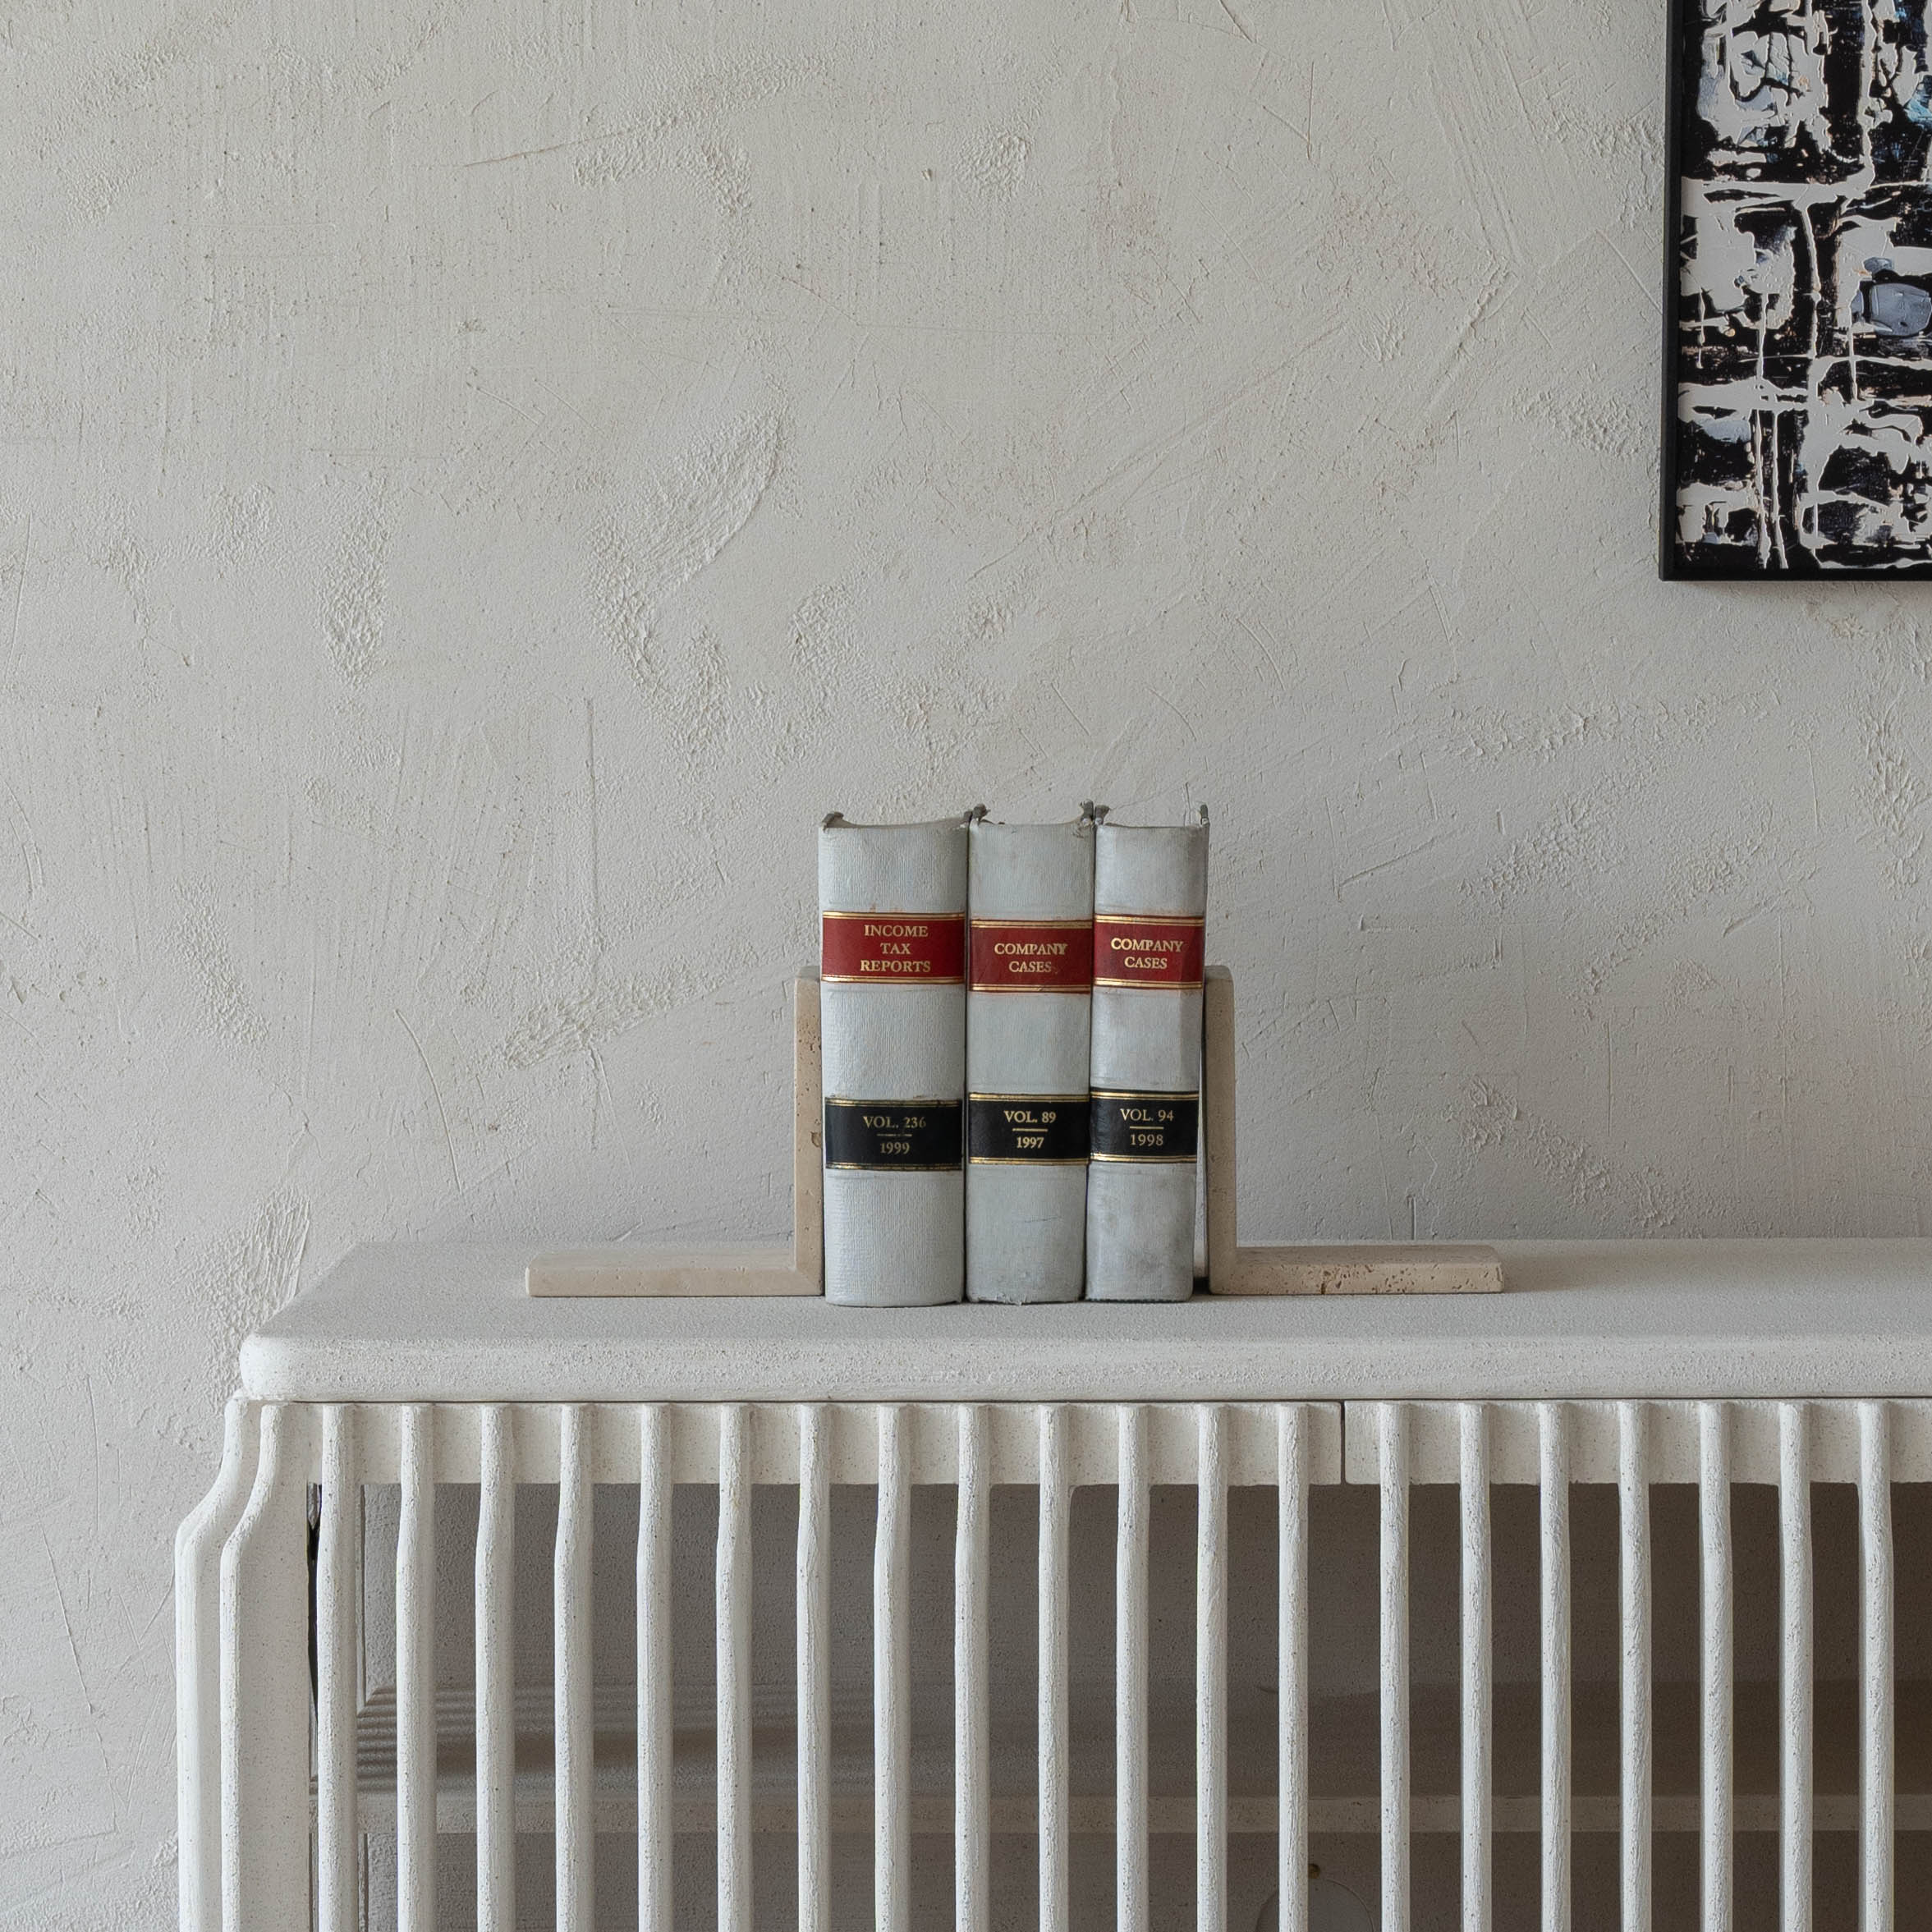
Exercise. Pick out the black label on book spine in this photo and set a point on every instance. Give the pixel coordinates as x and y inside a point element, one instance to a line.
<point>894,1137</point>
<point>1008,1130</point>
<point>1146,1126</point>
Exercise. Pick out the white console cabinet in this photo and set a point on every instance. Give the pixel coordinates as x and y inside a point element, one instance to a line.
<point>1592,1603</point>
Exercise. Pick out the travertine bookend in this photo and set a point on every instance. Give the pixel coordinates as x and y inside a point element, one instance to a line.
<point>771,1268</point>
<point>1413,1268</point>
<point>733,1269</point>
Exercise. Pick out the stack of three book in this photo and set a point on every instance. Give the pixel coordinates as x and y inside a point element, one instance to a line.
<point>1011,1031</point>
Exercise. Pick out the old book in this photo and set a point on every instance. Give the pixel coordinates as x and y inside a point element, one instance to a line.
<point>1031,955</point>
<point>1151,900</point>
<point>893,901</point>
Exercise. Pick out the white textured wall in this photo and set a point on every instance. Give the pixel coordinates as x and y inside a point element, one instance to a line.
<point>479,480</point>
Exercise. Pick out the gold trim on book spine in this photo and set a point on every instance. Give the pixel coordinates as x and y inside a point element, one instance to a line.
<point>1148,1160</point>
<point>1079,991</point>
<point>917,1100</point>
<point>890,979</point>
<point>997,1160</point>
<point>1062,1099</point>
<point>860,1167</point>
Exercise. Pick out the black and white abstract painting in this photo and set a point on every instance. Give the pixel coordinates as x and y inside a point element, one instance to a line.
<point>1798,322</point>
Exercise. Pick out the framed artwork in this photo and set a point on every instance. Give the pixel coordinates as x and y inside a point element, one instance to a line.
<point>1797,313</point>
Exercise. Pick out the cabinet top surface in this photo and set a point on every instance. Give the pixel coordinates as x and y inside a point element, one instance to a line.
<point>1743,1319</point>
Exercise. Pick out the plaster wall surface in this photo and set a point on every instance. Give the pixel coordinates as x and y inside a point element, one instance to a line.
<point>477,483</point>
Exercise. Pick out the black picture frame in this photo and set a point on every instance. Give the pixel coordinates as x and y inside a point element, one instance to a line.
<point>1678,562</point>
<point>1667,545</point>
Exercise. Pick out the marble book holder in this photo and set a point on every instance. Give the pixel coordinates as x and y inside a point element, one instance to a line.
<point>797,1267</point>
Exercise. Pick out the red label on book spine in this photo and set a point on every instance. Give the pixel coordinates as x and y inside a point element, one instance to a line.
<point>1032,956</point>
<point>880,948</point>
<point>1160,953</point>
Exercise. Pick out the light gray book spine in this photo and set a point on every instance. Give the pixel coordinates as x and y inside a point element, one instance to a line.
<point>1151,901</point>
<point>892,903</point>
<point>1030,979</point>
